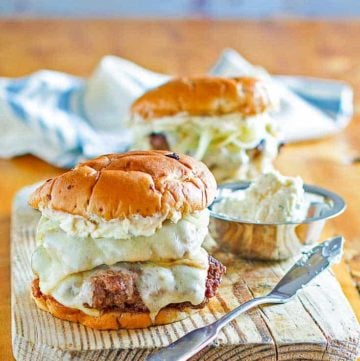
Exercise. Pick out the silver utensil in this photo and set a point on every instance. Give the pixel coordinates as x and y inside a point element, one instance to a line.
<point>304,270</point>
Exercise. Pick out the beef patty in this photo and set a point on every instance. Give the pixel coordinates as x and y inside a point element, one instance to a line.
<point>117,289</point>
<point>158,141</point>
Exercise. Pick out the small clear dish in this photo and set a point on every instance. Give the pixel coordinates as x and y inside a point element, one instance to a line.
<point>273,241</point>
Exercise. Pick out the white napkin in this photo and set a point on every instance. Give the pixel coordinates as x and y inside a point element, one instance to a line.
<point>64,119</point>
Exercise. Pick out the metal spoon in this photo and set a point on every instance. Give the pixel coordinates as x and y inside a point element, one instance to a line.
<point>304,270</point>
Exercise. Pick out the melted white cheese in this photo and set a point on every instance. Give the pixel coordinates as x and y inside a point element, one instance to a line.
<point>60,254</point>
<point>158,285</point>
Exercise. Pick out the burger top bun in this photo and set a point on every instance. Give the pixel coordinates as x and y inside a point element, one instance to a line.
<point>207,96</point>
<point>118,186</point>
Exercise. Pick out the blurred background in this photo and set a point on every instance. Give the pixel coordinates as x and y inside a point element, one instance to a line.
<point>217,9</point>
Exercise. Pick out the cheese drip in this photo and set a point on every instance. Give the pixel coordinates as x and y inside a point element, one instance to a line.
<point>158,285</point>
<point>60,254</point>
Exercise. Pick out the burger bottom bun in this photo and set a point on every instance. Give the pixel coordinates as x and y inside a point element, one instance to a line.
<point>111,320</point>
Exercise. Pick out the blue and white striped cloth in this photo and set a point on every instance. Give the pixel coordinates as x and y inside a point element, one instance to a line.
<point>64,119</point>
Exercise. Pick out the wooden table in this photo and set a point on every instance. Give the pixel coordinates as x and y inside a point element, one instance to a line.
<point>328,50</point>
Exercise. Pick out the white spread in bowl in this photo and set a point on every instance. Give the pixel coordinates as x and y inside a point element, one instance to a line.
<point>271,198</point>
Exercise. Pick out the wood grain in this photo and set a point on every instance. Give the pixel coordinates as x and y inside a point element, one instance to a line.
<point>298,329</point>
<point>314,48</point>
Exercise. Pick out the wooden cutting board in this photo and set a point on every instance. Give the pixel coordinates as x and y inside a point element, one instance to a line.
<point>317,325</point>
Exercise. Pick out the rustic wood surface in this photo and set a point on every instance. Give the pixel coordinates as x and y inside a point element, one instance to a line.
<point>328,50</point>
<point>299,329</point>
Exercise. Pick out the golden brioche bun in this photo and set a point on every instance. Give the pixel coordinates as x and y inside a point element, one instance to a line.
<point>205,96</point>
<point>117,186</point>
<point>111,320</point>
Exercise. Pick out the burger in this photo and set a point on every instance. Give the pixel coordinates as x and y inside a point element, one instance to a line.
<point>224,122</point>
<point>119,241</point>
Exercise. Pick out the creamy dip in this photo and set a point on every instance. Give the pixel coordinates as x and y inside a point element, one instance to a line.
<point>271,198</point>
